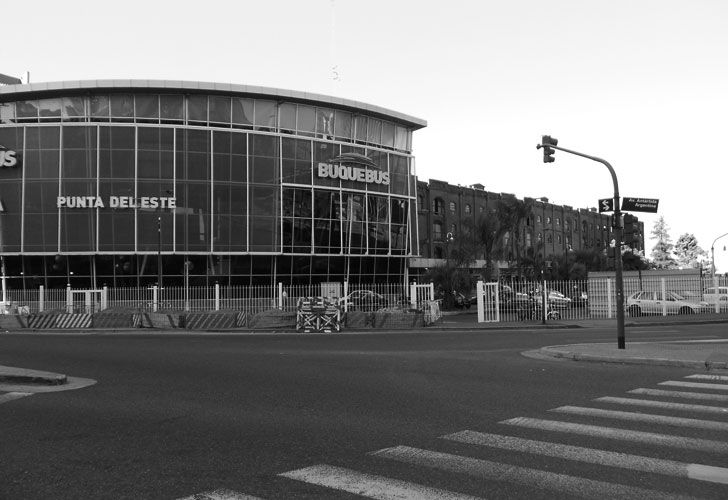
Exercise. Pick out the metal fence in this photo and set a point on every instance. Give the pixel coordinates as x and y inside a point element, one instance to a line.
<point>596,297</point>
<point>252,299</point>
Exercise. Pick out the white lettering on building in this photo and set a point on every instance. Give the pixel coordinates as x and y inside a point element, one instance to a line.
<point>8,158</point>
<point>349,173</point>
<point>145,202</point>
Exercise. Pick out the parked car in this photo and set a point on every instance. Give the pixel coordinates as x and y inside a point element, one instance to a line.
<point>711,296</point>
<point>648,302</point>
<point>364,300</point>
<point>580,299</point>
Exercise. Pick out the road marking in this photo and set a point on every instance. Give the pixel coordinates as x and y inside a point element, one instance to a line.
<point>221,494</point>
<point>369,485</point>
<point>485,469</point>
<point>695,385</point>
<point>664,404</point>
<point>644,417</point>
<point>621,434</point>
<point>709,377</point>
<point>594,456</point>
<point>10,396</point>
<point>680,394</point>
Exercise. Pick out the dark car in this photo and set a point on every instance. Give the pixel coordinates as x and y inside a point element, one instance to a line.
<point>579,299</point>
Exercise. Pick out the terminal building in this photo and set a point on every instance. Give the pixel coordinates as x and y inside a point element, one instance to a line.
<point>134,182</point>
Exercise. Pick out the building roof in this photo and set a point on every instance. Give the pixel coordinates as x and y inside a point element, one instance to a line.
<point>49,89</point>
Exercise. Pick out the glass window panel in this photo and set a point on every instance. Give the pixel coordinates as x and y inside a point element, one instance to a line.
<point>73,107</point>
<point>12,138</point>
<point>388,134</point>
<point>220,110</point>
<point>264,170</point>
<point>263,200</point>
<point>242,111</point>
<point>264,234</point>
<point>147,106</point>
<point>306,120</point>
<point>265,114</point>
<point>264,145</point>
<point>342,125</point>
<point>7,112</point>
<point>287,117</point>
<point>400,138</point>
<point>79,164</point>
<point>360,126</point>
<point>374,131</point>
<point>49,107</point>
<point>99,106</point>
<point>41,232</point>
<point>122,105</point>
<point>27,109</point>
<point>197,108</point>
<point>79,137</point>
<point>171,107</point>
<point>325,123</point>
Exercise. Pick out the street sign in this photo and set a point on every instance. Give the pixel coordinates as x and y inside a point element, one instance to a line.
<point>606,205</point>
<point>640,204</point>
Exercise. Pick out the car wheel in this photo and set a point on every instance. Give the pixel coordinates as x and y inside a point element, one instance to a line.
<point>686,310</point>
<point>634,311</point>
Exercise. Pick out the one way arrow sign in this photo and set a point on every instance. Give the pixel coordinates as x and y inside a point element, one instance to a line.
<point>606,205</point>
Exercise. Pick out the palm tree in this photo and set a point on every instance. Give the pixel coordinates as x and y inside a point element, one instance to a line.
<point>512,212</point>
<point>490,232</point>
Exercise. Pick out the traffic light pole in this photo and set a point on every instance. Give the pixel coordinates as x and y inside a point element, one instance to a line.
<point>617,225</point>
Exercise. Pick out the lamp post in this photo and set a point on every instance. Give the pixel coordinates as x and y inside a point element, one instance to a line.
<point>159,251</point>
<point>712,255</point>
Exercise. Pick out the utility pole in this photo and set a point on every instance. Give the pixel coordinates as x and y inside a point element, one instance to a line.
<point>549,144</point>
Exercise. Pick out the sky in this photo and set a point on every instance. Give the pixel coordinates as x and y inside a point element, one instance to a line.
<point>642,84</point>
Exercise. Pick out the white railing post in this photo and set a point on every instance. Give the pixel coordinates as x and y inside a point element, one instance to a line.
<point>104,298</point>
<point>41,298</point>
<point>69,299</point>
<point>217,296</point>
<point>413,295</point>
<point>155,298</point>
<point>346,294</point>
<point>479,293</point>
<point>432,291</point>
<point>280,295</point>
<point>663,290</point>
<point>609,297</point>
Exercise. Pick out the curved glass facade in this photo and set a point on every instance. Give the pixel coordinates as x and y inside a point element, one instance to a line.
<point>106,186</point>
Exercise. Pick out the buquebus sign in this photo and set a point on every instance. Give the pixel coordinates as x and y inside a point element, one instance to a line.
<point>8,157</point>
<point>353,167</point>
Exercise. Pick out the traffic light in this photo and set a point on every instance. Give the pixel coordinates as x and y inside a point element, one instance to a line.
<point>629,233</point>
<point>548,153</point>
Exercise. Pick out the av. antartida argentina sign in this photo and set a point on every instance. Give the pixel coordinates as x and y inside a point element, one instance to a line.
<point>115,202</point>
<point>353,167</point>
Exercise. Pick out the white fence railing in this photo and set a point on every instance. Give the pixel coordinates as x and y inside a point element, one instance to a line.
<point>597,297</point>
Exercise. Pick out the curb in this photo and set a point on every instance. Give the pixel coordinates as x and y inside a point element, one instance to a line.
<point>632,360</point>
<point>10,375</point>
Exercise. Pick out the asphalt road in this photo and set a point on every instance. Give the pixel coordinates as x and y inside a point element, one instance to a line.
<point>172,416</point>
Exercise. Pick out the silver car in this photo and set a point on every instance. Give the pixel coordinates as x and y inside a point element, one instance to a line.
<point>647,302</point>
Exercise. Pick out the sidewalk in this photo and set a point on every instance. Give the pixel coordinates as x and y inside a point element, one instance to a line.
<point>704,355</point>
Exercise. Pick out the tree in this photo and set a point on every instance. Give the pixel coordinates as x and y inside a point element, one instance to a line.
<point>490,232</point>
<point>687,251</point>
<point>662,251</point>
<point>512,212</point>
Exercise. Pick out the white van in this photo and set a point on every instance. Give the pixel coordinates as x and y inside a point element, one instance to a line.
<point>711,295</point>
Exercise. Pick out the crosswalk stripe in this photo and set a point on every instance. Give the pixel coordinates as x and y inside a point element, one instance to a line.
<point>370,485</point>
<point>664,404</point>
<point>708,377</point>
<point>593,456</point>
<point>644,417</point>
<point>221,494</point>
<point>695,385</point>
<point>10,396</point>
<point>680,394</point>
<point>621,434</point>
<point>485,469</point>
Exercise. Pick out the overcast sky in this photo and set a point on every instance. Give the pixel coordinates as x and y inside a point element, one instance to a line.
<point>640,83</point>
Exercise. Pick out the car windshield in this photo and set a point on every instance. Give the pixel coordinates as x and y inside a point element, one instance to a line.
<point>674,296</point>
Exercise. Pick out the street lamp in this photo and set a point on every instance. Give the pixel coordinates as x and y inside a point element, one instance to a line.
<point>712,255</point>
